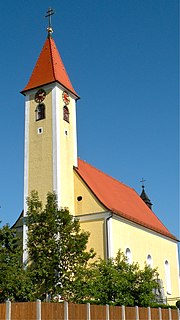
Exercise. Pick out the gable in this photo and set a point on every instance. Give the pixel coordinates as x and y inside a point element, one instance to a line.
<point>85,201</point>
<point>120,199</point>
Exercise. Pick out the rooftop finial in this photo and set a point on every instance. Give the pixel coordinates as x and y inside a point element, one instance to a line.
<point>142,182</point>
<point>48,15</point>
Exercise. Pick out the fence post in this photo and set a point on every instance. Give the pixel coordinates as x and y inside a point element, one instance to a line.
<point>107,312</point>
<point>149,313</point>
<point>178,314</point>
<point>88,311</point>
<point>137,312</point>
<point>38,309</point>
<point>170,315</point>
<point>8,310</point>
<point>123,313</point>
<point>65,310</point>
<point>160,313</point>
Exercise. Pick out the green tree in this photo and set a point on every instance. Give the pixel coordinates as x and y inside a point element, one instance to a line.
<point>146,284</point>
<point>56,248</point>
<point>115,281</point>
<point>14,281</point>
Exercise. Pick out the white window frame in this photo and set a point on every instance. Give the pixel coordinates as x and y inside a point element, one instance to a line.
<point>149,260</point>
<point>167,277</point>
<point>128,254</point>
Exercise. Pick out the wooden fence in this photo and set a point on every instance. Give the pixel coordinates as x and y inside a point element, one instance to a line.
<point>69,311</point>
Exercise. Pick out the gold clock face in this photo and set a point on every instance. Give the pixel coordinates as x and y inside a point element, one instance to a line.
<point>66,97</point>
<point>40,95</point>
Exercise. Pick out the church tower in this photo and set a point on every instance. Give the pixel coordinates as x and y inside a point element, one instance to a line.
<point>50,129</point>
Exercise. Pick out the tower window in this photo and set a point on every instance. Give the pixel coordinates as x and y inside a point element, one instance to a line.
<point>40,130</point>
<point>66,113</point>
<point>40,112</point>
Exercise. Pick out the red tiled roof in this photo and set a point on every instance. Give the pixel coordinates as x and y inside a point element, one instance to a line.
<point>120,199</point>
<point>49,68</point>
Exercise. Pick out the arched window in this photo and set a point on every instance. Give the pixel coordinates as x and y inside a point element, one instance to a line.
<point>66,113</point>
<point>40,111</point>
<point>167,277</point>
<point>149,260</point>
<point>129,255</point>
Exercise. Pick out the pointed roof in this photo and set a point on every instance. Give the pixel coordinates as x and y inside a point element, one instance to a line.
<point>145,198</point>
<point>49,68</point>
<point>120,199</point>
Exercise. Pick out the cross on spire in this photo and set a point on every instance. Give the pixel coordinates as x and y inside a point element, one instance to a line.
<point>143,182</point>
<point>48,15</point>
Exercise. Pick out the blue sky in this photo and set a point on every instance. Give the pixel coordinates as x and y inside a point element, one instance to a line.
<point>122,59</point>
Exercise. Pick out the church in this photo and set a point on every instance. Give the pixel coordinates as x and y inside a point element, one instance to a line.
<point>114,214</point>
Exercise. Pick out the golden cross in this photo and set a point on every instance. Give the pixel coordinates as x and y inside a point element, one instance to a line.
<point>48,15</point>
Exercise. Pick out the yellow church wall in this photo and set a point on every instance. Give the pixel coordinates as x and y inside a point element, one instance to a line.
<point>40,149</point>
<point>67,155</point>
<point>89,203</point>
<point>53,153</point>
<point>142,242</point>
<point>97,238</point>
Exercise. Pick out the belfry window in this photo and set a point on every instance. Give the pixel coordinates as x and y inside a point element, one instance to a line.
<point>40,111</point>
<point>66,113</point>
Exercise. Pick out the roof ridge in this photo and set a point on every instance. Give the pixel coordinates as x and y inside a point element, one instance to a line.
<point>64,69</point>
<point>52,59</point>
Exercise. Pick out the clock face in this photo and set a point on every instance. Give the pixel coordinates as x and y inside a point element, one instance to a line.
<point>66,97</point>
<point>40,95</point>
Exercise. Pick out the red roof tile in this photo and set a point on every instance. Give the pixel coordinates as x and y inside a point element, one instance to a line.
<point>49,68</point>
<point>120,199</point>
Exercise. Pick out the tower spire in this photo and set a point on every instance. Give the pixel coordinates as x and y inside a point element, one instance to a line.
<point>48,15</point>
<point>144,196</point>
